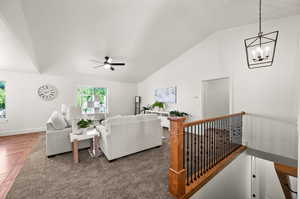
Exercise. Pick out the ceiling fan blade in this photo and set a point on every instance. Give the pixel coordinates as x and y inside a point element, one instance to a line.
<point>117,64</point>
<point>99,66</point>
<point>95,60</point>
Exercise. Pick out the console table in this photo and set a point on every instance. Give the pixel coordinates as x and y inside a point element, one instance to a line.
<point>93,135</point>
<point>163,116</point>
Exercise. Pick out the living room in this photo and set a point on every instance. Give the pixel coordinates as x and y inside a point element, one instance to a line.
<point>135,51</point>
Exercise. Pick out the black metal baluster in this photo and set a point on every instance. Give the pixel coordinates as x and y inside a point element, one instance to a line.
<point>187,156</point>
<point>207,146</point>
<point>233,128</point>
<point>210,145</point>
<point>241,130</point>
<point>216,144</point>
<point>230,123</point>
<point>184,151</point>
<point>214,141</point>
<point>218,141</point>
<point>205,150</point>
<point>202,157</point>
<point>195,151</point>
<point>208,149</point>
<point>227,132</point>
<point>224,137</point>
<point>228,137</point>
<point>192,152</point>
<point>191,157</point>
<point>198,136</point>
<point>220,138</point>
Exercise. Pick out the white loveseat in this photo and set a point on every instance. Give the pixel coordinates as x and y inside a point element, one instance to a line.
<point>58,139</point>
<point>124,135</point>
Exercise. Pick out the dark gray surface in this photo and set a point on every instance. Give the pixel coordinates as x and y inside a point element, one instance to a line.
<point>142,175</point>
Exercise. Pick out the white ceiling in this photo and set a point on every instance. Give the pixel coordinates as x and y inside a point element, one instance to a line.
<point>61,36</point>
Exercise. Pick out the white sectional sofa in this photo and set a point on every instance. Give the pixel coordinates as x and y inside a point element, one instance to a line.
<point>120,135</point>
<point>124,135</point>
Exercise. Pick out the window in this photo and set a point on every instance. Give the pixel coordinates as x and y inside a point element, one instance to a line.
<point>92,100</point>
<point>2,100</point>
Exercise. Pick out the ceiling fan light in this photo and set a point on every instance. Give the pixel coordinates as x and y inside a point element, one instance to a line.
<point>106,66</point>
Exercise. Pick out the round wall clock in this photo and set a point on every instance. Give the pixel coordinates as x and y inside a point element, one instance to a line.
<point>47,92</point>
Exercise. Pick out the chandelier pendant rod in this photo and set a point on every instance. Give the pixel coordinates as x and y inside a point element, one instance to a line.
<point>260,33</point>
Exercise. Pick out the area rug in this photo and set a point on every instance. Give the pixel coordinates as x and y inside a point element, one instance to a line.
<point>139,176</point>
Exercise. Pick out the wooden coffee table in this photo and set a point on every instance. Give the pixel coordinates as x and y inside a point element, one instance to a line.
<point>92,135</point>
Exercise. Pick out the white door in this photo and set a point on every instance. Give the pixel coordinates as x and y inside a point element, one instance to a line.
<point>215,97</point>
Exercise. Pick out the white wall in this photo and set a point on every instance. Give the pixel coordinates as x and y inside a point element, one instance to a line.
<point>234,182</point>
<point>266,185</point>
<point>186,73</point>
<point>27,112</point>
<point>268,93</point>
<point>227,184</point>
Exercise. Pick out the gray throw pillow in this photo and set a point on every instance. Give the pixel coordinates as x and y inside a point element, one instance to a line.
<point>58,121</point>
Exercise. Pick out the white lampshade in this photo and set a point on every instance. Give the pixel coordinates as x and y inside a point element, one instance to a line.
<point>99,116</point>
<point>63,109</point>
<point>74,113</point>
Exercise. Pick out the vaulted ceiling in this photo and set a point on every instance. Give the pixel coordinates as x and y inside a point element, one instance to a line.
<point>62,36</point>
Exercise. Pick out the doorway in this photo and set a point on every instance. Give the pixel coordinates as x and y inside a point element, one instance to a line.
<point>215,100</point>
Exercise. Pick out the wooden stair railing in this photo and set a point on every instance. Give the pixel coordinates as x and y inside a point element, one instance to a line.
<point>200,149</point>
<point>283,173</point>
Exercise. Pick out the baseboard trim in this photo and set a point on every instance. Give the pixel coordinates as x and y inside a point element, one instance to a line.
<point>21,131</point>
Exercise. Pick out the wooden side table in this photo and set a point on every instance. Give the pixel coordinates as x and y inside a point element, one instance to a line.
<point>93,135</point>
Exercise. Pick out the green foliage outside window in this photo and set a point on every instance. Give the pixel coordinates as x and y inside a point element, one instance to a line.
<point>2,100</point>
<point>92,100</point>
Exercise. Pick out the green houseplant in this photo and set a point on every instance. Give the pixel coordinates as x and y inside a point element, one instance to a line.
<point>146,108</point>
<point>84,123</point>
<point>178,114</point>
<point>159,105</point>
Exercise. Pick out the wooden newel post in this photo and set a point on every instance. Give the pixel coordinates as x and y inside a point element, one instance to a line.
<point>177,173</point>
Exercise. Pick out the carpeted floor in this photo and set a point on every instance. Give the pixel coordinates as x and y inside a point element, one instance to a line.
<point>139,176</point>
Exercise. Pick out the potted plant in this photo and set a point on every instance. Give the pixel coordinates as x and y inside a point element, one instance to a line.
<point>83,125</point>
<point>159,105</point>
<point>178,114</point>
<point>146,108</point>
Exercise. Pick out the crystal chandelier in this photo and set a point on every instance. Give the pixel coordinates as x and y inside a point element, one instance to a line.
<point>260,50</point>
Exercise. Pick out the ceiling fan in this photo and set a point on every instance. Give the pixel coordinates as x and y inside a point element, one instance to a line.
<point>108,64</point>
